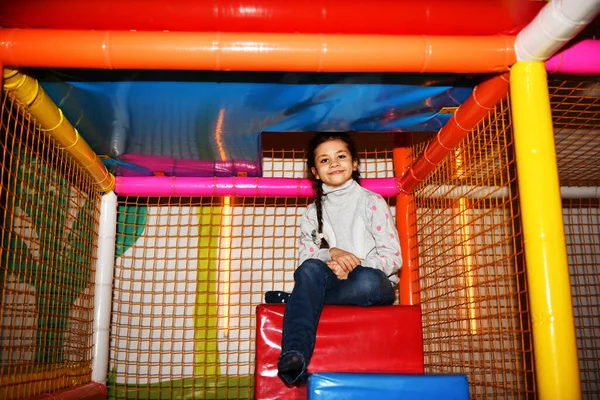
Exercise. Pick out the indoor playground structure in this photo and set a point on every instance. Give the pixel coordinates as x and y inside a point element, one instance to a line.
<point>153,177</point>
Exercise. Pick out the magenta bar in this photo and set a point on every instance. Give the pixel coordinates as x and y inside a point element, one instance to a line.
<point>582,58</point>
<point>234,186</point>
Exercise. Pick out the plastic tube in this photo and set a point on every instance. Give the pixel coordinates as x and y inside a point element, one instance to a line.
<point>557,23</point>
<point>580,192</point>
<point>390,17</point>
<point>497,192</point>
<point>554,342</point>
<point>483,99</point>
<point>294,187</point>
<point>406,221</point>
<point>28,91</point>
<point>234,186</point>
<point>582,58</point>
<point>254,51</point>
<point>107,234</point>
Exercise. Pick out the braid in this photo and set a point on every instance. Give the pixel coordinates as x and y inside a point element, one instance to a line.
<point>356,176</point>
<point>319,207</point>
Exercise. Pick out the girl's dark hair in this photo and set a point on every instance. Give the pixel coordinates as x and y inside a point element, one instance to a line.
<point>317,140</point>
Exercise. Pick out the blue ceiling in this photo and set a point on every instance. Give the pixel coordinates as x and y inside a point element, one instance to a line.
<point>184,123</point>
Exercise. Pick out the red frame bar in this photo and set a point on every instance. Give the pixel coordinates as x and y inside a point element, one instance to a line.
<point>406,222</point>
<point>389,17</point>
<point>484,98</point>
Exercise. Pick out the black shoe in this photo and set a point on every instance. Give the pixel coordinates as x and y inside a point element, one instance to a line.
<point>292,371</point>
<point>276,297</point>
<point>291,364</point>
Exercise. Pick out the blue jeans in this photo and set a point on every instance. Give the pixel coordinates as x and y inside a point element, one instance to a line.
<point>317,285</point>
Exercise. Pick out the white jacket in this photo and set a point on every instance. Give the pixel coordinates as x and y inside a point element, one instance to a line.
<point>358,221</point>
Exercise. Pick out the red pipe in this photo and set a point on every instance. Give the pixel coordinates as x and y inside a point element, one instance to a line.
<point>406,221</point>
<point>254,51</point>
<point>91,391</point>
<point>390,17</point>
<point>483,99</point>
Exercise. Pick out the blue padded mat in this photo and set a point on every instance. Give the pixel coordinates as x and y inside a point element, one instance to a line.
<point>347,386</point>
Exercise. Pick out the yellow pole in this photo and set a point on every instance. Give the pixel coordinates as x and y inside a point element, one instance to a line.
<point>555,347</point>
<point>28,91</point>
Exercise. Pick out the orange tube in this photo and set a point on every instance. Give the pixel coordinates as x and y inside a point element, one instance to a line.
<point>406,221</point>
<point>483,99</point>
<point>254,51</point>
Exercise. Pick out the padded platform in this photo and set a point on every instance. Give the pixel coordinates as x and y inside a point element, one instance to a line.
<point>334,386</point>
<point>384,339</point>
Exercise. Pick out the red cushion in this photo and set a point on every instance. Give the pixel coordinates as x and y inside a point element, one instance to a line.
<point>384,339</point>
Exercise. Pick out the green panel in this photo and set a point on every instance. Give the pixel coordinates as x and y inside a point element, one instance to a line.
<point>131,222</point>
<point>206,316</point>
<point>223,387</point>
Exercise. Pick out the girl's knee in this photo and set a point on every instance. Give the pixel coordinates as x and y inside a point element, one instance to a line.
<point>376,287</point>
<point>370,276</point>
<point>311,268</point>
<point>374,284</point>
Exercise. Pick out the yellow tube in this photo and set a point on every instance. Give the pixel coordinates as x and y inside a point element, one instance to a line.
<point>556,363</point>
<point>28,91</point>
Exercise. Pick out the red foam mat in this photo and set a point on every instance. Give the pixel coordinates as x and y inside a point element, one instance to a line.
<point>349,339</point>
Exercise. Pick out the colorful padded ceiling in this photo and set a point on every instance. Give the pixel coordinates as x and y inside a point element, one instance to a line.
<point>202,124</point>
<point>210,123</point>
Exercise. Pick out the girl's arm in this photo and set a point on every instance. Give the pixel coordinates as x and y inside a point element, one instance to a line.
<point>308,228</point>
<point>386,255</point>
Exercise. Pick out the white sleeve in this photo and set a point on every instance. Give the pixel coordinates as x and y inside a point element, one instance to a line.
<point>308,228</point>
<point>386,255</point>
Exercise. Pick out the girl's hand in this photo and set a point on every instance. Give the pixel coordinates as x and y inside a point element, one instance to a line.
<point>337,270</point>
<point>347,261</point>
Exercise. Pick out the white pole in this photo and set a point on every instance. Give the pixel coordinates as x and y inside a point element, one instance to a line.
<point>557,23</point>
<point>496,192</point>
<point>580,192</point>
<point>107,233</point>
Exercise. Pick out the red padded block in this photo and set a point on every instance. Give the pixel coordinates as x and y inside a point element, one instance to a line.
<point>384,339</point>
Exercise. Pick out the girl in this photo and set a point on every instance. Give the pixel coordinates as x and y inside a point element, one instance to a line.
<point>349,251</point>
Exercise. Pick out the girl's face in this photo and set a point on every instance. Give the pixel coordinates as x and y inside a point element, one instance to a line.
<point>333,163</point>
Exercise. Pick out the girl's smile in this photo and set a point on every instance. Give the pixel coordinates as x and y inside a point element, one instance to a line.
<point>333,163</point>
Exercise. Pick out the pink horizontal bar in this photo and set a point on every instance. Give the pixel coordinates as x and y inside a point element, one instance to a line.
<point>582,58</point>
<point>234,186</point>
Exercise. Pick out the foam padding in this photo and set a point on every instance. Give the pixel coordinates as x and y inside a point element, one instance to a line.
<point>385,339</point>
<point>337,386</point>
